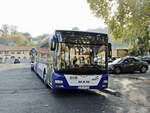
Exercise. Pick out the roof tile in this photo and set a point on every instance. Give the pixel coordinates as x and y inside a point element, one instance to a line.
<point>15,48</point>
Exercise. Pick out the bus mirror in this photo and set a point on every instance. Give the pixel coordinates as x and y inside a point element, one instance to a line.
<point>53,45</point>
<point>109,50</point>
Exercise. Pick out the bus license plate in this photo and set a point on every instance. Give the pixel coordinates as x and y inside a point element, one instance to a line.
<point>83,87</point>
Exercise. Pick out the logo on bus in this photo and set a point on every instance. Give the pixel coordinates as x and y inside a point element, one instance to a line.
<point>73,77</point>
<point>96,78</point>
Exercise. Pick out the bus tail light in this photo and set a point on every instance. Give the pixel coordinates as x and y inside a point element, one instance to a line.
<point>58,81</point>
<point>59,86</point>
<point>105,81</point>
<point>104,85</point>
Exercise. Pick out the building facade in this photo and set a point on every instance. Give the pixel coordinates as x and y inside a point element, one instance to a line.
<point>9,53</point>
<point>117,53</point>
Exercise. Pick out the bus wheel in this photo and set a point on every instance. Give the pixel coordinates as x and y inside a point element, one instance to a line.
<point>32,69</point>
<point>45,79</point>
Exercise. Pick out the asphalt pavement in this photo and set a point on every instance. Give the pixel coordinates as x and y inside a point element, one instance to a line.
<point>21,91</point>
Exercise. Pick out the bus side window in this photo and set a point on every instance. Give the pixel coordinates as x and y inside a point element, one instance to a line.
<point>82,60</point>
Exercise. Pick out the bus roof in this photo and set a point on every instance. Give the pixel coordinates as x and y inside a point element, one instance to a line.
<point>81,32</point>
<point>82,37</point>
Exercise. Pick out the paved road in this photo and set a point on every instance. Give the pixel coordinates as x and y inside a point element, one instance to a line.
<point>21,91</point>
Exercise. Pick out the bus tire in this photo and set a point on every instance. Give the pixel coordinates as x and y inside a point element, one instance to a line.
<point>45,78</point>
<point>32,69</point>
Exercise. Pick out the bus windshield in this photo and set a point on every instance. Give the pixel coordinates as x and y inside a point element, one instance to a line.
<point>80,59</point>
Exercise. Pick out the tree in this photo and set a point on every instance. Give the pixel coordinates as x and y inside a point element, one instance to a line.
<point>3,41</point>
<point>32,43</point>
<point>19,40</point>
<point>41,37</point>
<point>13,30</point>
<point>127,20</point>
<point>5,30</point>
<point>101,30</point>
<point>10,36</point>
<point>27,35</point>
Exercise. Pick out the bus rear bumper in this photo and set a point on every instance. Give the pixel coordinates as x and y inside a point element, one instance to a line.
<point>62,86</point>
<point>59,81</point>
<point>77,87</point>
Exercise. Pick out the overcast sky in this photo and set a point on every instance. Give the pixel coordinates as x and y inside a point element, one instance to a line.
<point>45,16</point>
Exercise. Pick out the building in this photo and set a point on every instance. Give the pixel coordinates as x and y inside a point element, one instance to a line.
<point>9,53</point>
<point>116,53</point>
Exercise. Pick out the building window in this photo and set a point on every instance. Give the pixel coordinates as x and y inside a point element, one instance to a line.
<point>1,59</point>
<point>24,57</point>
<point>18,52</point>
<point>1,52</point>
<point>6,52</point>
<point>12,57</point>
<point>12,52</point>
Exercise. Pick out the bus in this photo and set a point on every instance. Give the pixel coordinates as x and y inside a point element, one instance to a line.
<point>73,60</point>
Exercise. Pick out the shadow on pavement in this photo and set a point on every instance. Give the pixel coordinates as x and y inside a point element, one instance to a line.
<point>81,101</point>
<point>75,93</point>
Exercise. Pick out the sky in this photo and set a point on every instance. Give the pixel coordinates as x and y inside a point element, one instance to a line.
<point>45,16</point>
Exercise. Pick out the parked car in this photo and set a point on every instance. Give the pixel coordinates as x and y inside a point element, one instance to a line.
<point>128,64</point>
<point>146,58</point>
<point>111,59</point>
<point>16,61</point>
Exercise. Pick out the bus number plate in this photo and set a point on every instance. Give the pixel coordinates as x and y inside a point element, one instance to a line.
<point>83,87</point>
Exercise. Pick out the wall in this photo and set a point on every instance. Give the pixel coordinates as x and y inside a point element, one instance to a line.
<point>9,56</point>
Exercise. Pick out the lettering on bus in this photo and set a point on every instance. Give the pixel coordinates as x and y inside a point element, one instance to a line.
<point>73,77</point>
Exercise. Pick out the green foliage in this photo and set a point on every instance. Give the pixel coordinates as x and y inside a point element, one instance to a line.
<point>126,19</point>
<point>14,40</point>
<point>19,40</point>
<point>3,41</point>
<point>101,30</point>
<point>142,47</point>
<point>32,43</point>
<point>9,36</point>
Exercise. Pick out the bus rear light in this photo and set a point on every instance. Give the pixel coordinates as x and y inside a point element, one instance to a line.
<point>105,81</point>
<point>58,81</point>
<point>59,86</point>
<point>104,85</point>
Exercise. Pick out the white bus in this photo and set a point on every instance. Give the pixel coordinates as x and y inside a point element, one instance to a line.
<point>73,60</point>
